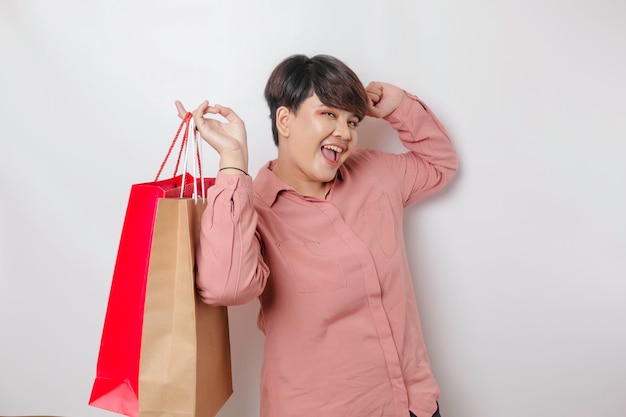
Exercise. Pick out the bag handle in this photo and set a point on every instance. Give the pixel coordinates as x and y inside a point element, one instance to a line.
<point>189,127</point>
<point>196,146</point>
<point>183,124</point>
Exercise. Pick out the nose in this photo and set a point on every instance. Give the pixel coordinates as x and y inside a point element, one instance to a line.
<point>342,131</point>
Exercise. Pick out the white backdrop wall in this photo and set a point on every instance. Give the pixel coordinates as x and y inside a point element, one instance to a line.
<point>519,266</point>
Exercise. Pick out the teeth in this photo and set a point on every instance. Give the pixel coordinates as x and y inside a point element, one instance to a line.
<point>333,148</point>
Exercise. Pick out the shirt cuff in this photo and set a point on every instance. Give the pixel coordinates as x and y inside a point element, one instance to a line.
<point>400,114</point>
<point>233,182</point>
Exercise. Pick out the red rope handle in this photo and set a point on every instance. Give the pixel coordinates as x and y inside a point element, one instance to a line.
<point>184,123</point>
<point>184,143</point>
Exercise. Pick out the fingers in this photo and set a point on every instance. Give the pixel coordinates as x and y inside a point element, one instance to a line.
<point>205,108</point>
<point>225,112</point>
<point>383,98</point>
<point>374,99</point>
<point>374,92</point>
<point>201,109</point>
<point>228,113</point>
<point>181,109</point>
<point>374,111</point>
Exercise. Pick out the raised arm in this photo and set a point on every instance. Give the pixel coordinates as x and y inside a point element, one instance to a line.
<point>431,161</point>
<point>230,268</point>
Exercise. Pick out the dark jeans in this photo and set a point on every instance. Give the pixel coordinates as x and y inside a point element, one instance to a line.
<point>434,415</point>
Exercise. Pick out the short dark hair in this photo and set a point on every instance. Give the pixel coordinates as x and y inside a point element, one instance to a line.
<point>298,77</point>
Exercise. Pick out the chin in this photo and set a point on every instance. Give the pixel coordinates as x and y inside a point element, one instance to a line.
<point>326,175</point>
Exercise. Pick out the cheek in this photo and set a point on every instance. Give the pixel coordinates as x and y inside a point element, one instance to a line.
<point>354,139</point>
<point>307,146</point>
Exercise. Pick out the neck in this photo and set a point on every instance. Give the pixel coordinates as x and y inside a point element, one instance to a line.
<point>303,187</point>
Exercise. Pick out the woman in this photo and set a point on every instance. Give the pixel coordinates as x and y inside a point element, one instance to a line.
<point>318,238</point>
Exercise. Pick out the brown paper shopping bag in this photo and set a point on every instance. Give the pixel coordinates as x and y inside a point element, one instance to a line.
<point>185,368</point>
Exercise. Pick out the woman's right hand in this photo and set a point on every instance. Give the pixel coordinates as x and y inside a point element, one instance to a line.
<point>228,138</point>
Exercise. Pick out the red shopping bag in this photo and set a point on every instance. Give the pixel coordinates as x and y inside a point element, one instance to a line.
<point>116,385</point>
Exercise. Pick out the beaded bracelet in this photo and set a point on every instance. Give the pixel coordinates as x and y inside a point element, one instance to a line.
<point>238,169</point>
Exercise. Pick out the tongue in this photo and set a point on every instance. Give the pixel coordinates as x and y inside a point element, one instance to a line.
<point>330,155</point>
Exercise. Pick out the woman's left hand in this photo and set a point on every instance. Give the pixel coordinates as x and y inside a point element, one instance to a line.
<point>383,98</point>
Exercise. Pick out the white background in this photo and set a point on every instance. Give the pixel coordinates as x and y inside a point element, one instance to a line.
<point>519,266</point>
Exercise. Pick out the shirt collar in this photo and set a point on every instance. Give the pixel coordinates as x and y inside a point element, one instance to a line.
<point>268,186</point>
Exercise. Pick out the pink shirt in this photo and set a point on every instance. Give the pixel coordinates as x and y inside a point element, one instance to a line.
<point>343,335</point>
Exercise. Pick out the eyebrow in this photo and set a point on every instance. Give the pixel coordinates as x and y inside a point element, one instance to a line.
<point>322,105</point>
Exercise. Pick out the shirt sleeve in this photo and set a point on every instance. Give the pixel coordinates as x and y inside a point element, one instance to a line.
<point>230,265</point>
<point>431,161</point>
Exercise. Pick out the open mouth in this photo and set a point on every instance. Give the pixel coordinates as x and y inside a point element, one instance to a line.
<point>332,152</point>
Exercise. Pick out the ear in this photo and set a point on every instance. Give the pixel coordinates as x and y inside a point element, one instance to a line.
<point>283,116</point>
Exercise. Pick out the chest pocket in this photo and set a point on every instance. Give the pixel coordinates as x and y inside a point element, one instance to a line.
<point>377,225</point>
<point>313,266</point>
